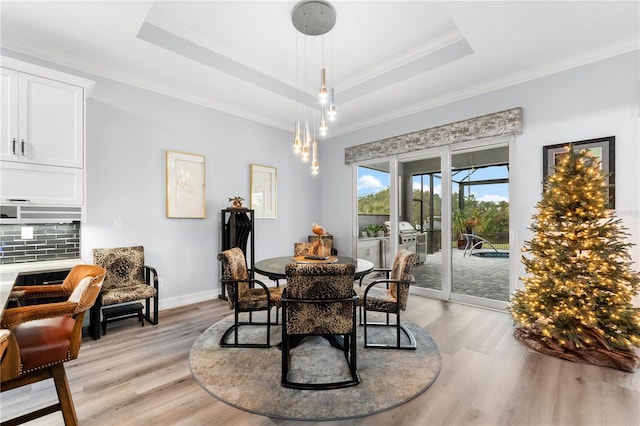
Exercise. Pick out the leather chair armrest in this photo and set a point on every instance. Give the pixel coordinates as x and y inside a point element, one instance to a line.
<point>10,367</point>
<point>16,316</point>
<point>33,291</point>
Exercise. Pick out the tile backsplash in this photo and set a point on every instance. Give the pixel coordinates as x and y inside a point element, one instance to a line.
<point>50,242</point>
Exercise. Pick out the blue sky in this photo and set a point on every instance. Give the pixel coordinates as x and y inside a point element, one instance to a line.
<point>371,181</point>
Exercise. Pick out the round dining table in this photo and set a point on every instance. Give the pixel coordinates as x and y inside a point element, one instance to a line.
<point>273,268</point>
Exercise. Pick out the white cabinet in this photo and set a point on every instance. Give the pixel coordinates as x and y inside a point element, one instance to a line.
<point>42,113</point>
<point>42,120</point>
<point>44,185</point>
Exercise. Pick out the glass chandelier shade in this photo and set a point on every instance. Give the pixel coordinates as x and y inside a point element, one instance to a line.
<point>306,144</point>
<point>314,158</point>
<point>323,94</point>
<point>323,124</point>
<point>332,107</point>
<point>297,141</point>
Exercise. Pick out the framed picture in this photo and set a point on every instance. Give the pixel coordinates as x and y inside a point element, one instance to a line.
<point>264,191</point>
<point>186,196</point>
<point>603,148</point>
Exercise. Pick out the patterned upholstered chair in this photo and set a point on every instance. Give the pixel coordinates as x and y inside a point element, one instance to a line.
<point>36,340</point>
<point>128,280</point>
<point>392,299</point>
<point>246,295</point>
<point>319,301</point>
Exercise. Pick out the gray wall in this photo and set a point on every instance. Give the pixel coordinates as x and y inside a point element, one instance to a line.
<point>128,131</point>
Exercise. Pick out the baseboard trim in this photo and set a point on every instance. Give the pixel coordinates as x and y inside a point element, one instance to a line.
<point>176,302</point>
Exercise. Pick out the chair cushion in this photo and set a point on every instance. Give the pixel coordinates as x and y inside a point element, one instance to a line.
<point>44,342</point>
<point>124,265</point>
<point>127,294</point>
<point>234,267</point>
<point>378,298</point>
<point>402,268</point>
<point>319,282</point>
<point>256,298</point>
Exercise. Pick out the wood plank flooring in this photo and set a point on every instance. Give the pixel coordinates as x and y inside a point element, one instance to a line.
<point>140,376</point>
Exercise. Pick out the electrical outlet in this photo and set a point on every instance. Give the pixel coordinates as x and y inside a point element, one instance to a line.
<point>26,232</point>
<point>117,223</point>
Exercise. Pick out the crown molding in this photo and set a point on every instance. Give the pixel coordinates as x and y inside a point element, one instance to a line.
<point>622,47</point>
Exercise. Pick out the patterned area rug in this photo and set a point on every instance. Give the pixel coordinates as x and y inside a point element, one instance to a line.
<point>249,379</point>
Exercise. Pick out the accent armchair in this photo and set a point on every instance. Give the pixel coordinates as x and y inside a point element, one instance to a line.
<point>128,280</point>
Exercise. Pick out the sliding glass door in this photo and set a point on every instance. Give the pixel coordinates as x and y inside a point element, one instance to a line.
<point>422,208</point>
<point>457,200</point>
<point>480,225</point>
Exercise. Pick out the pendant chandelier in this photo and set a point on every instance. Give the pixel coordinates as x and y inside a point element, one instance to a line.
<point>314,18</point>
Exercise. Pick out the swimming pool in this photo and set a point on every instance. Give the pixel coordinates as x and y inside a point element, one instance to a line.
<point>494,254</point>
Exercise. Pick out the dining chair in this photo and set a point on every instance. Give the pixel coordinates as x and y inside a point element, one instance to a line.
<point>391,299</point>
<point>246,295</point>
<point>319,301</point>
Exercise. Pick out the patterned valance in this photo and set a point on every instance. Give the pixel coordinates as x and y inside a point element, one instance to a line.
<point>502,123</point>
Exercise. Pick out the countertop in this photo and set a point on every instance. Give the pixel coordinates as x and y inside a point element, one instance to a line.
<point>9,273</point>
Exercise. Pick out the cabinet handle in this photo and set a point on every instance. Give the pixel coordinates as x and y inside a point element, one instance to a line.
<point>14,146</point>
<point>18,200</point>
<point>22,147</point>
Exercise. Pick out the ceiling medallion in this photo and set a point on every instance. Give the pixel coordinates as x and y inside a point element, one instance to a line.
<point>313,17</point>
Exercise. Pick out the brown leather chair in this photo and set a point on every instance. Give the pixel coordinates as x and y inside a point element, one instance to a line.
<point>390,299</point>
<point>36,340</point>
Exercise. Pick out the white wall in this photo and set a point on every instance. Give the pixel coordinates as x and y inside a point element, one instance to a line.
<point>592,101</point>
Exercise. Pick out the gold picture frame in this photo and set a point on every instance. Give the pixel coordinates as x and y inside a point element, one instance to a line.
<point>264,191</point>
<point>186,197</point>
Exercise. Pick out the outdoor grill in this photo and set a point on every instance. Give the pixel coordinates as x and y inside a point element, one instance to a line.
<point>411,239</point>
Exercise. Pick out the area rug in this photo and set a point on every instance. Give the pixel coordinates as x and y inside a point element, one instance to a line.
<point>249,379</point>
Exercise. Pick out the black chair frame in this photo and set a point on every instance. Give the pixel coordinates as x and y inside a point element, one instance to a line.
<point>236,316</point>
<point>398,324</point>
<point>348,346</point>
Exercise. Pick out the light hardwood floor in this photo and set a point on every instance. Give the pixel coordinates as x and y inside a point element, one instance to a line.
<point>139,376</point>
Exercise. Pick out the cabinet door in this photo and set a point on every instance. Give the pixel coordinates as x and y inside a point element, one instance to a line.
<point>9,148</point>
<point>41,185</point>
<point>51,121</point>
<point>370,250</point>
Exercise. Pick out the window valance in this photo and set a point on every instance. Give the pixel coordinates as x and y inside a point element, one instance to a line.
<point>501,123</point>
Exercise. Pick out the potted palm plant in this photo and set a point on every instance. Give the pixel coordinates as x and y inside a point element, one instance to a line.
<point>460,223</point>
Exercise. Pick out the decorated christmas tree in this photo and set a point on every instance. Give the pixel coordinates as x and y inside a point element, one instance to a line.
<point>577,301</point>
